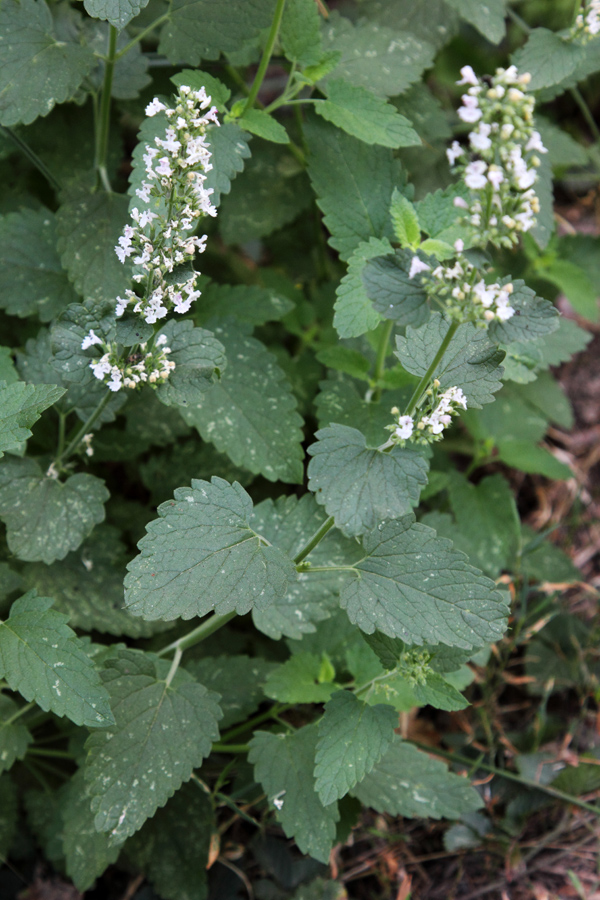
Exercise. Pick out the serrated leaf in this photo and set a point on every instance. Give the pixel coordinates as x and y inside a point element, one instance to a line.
<point>118,12</point>
<point>297,681</point>
<point>20,406</point>
<point>354,313</point>
<point>87,851</point>
<point>413,585</point>
<point>70,362</point>
<point>89,226</point>
<point>388,649</point>
<point>409,783</point>
<point>548,57</point>
<point>340,401</point>
<point>533,318</point>
<point>470,362</point>
<point>45,518</point>
<point>437,692</point>
<point>199,360</point>
<point>365,116</point>
<point>44,660</point>
<point>244,302</point>
<point>32,280</point>
<point>487,17</point>
<point>393,293</point>
<point>195,79</point>
<point>162,732</point>
<point>353,183</point>
<point>405,220</point>
<point>431,20</point>
<point>130,75</point>
<point>438,216</point>
<point>361,486</point>
<point>250,414</point>
<point>300,33</point>
<point>237,679</point>
<point>38,69</point>
<point>378,58</point>
<point>15,737</point>
<point>201,554</point>
<point>260,123</point>
<point>352,739</point>
<point>284,766</point>
<point>202,29</point>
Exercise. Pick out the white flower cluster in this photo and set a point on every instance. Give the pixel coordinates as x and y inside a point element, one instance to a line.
<point>500,165</point>
<point>435,416</point>
<point>144,367</point>
<point>464,295</point>
<point>175,185</point>
<point>587,23</point>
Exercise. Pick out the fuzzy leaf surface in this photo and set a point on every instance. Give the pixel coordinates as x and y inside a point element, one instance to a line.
<point>360,486</point>
<point>199,359</point>
<point>548,57</point>
<point>45,661</point>
<point>393,294</point>
<point>20,406</point>
<point>201,554</point>
<point>246,303</point>
<point>300,33</point>
<point>354,312</point>
<point>87,851</point>
<point>15,737</point>
<point>366,116</point>
<point>487,17</point>
<point>352,739</point>
<point>162,732</point>
<point>533,318</point>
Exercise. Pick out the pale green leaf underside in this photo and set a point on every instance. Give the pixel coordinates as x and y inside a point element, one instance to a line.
<point>354,313</point>
<point>161,734</point>
<point>43,659</point>
<point>352,739</point>
<point>14,736</point>
<point>366,116</point>
<point>360,486</point>
<point>20,406</point>
<point>118,12</point>
<point>201,555</point>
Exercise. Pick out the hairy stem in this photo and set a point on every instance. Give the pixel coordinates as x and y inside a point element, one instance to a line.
<point>314,540</point>
<point>104,116</point>
<point>196,635</point>
<point>32,157</point>
<point>266,57</point>
<point>422,385</point>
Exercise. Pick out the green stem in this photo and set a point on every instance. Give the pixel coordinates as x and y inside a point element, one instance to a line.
<point>230,748</point>
<point>510,776</point>
<point>56,754</point>
<point>32,157</point>
<point>257,720</point>
<point>422,385</point>
<point>20,712</point>
<point>197,634</point>
<point>85,428</point>
<point>314,540</point>
<point>174,665</point>
<point>381,355</point>
<point>266,57</point>
<point>104,117</point>
<point>527,29</point>
<point>586,113</point>
<point>140,37</point>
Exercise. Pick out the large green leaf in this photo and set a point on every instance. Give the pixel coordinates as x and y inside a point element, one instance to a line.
<point>431,20</point>
<point>415,586</point>
<point>393,293</point>
<point>250,414</point>
<point>245,302</point>
<point>548,57</point>
<point>409,783</point>
<point>354,313</point>
<point>352,739</point>
<point>284,766</point>
<point>341,401</point>
<point>37,69</point>
<point>201,554</point>
<point>45,518</point>
<point>164,728</point>
<point>300,32</point>
<point>15,737</point>
<point>533,318</point>
<point>32,280</point>
<point>238,680</point>
<point>87,851</point>
<point>20,406</point>
<point>43,659</point>
<point>199,359</point>
<point>299,680</point>
<point>353,183</point>
<point>118,12</point>
<point>471,362</point>
<point>487,16</point>
<point>366,116</point>
<point>361,486</point>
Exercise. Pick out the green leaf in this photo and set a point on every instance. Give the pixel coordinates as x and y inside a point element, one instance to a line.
<point>405,220</point>
<point>545,224</point>
<point>118,12</point>
<point>87,851</point>
<point>195,79</point>
<point>162,848</point>
<point>471,362</point>
<point>562,149</point>
<point>38,69</point>
<point>300,33</point>
<point>130,75</point>
<point>353,183</point>
<point>8,373</point>
<point>409,783</point>
<point>533,317</point>
<point>45,518</point>
<point>528,457</point>
<point>354,313</point>
<point>32,280</point>
<point>202,555</point>
<point>202,29</point>
<point>66,335</point>
<point>413,585</point>
<point>260,123</point>
<point>343,359</point>
<point>199,359</point>
<point>89,226</point>
<point>326,64</point>
<point>43,659</point>
<point>389,650</point>
<point>250,414</point>
<point>575,284</point>
<point>431,20</point>
<point>439,217</point>
<point>378,58</point>
<point>162,733</point>
<point>244,302</point>
<point>563,343</point>
<point>487,17</point>
<point>393,293</point>
<point>321,890</point>
<point>9,811</point>
<point>437,692</point>
<point>238,680</point>
<point>20,406</point>
<point>340,401</point>
<point>548,57</point>
<point>297,680</point>
<point>284,766</point>
<point>365,116</point>
<point>352,739</point>
<point>361,486</point>
<point>288,523</point>
<point>15,737</point>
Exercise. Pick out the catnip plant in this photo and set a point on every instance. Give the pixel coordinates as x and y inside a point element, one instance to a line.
<point>351,314</point>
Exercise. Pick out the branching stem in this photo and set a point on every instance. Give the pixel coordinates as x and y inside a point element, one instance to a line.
<point>85,428</point>
<point>422,385</point>
<point>314,540</point>
<point>196,635</point>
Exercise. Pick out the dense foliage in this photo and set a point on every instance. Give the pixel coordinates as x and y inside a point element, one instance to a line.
<point>299,430</point>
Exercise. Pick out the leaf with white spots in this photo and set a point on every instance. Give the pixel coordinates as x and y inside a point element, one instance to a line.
<point>164,729</point>
<point>202,554</point>
<point>118,12</point>
<point>366,116</point>
<point>45,661</point>
<point>20,406</point>
<point>199,361</point>
<point>14,736</point>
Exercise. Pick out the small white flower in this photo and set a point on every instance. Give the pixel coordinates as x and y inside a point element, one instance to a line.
<point>535,143</point>
<point>90,339</point>
<point>405,427</point>
<point>459,245</point>
<point>154,107</point>
<point>470,111</point>
<point>460,203</point>
<point>475,175</point>
<point>480,139</point>
<point>495,176</point>
<point>468,76</point>
<point>164,167</point>
<point>454,152</point>
<point>417,266</point>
